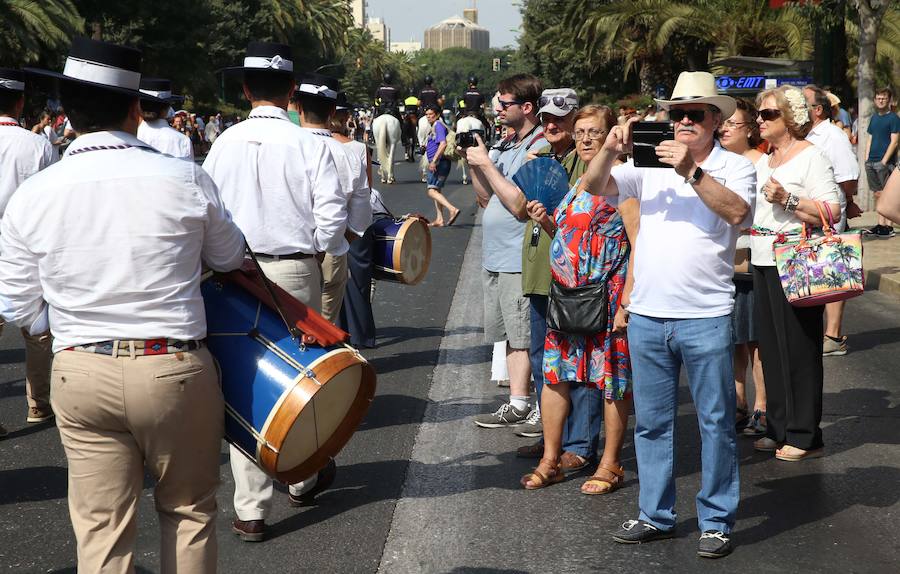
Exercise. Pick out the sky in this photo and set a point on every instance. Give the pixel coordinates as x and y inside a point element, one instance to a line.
<point>407,19</point>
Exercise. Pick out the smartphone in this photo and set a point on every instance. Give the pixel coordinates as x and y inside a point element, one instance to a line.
<point>644,139</point>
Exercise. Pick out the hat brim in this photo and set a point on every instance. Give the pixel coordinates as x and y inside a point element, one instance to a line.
<point>56,78</point>
<point>726,104</point>
<point>555,110</point>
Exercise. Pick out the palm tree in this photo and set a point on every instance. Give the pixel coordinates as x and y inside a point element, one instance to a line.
<point>327,21</point>
<point>31,28</point>
<point>752,28</point>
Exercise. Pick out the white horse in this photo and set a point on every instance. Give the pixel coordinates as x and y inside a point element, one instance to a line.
<point>422,133</point>
<point>467,124</point>
<point>386,129</point>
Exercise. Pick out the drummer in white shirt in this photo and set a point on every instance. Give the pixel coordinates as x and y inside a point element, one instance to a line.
<point>23,154</point>
<point>835,144</point>
<point>316,99</point>
<point>112,266</point>
<point>281,184</point>
<point>156,104</point>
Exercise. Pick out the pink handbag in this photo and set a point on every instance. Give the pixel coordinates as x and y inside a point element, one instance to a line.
<point>819,270</point>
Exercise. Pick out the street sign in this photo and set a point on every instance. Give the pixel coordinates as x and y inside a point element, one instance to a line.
<point>798,82</point>
<point>725,83</point>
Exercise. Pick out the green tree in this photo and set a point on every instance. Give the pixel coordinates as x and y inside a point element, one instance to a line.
<point>31,29</point>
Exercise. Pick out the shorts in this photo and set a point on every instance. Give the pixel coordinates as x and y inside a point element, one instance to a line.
<point>507,313</point>
<point>437,177</point>
<point>877,174</point>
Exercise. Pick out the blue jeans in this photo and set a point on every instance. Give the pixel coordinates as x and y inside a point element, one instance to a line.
<point>581,433</point>
<point>659,348</point>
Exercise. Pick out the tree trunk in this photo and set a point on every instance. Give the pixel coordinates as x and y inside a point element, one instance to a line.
<point>870,14</point>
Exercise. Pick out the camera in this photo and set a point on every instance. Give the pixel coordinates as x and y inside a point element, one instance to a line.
<point>467,139</point>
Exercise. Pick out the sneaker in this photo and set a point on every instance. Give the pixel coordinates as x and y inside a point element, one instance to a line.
<point>39,415</point>
<point>532,427</point>
<point>714,544</point>
<point>832,348</point>
<point>3,431</point>
<point>638,531</point>
<point>755,426</point>
<point>885,232</point>
<point>765,444</point>
<point>506,416</point>
<point>249,530</point>
<point>871,230</point>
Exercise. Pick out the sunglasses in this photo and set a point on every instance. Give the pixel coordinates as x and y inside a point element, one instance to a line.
<point>696,116</point>
<point>505,104</point>
<point>558,101</point>
<point>769,114</point>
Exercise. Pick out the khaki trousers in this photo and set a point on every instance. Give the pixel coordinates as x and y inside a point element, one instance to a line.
<point>117,414</point>
<point>38,357</point>
<point>253,489</point>
<point>334,283</point>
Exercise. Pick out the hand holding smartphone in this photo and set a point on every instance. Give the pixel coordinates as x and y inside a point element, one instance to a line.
<point>645,137</point>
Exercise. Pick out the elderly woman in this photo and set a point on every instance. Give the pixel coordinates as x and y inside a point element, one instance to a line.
<point>792,179</point>
<point>740,134</point>
<point>591,244</point>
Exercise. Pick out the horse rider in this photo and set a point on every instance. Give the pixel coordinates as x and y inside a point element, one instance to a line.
<point>386,97</point>
<point>473,104</point>
<point>428,96</point>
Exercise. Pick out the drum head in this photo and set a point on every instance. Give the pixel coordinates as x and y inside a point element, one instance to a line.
<point>414,252</point>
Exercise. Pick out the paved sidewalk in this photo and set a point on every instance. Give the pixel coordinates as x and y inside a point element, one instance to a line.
<point>881,258</point>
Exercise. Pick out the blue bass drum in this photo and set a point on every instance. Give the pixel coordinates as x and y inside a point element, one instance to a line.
<point>402,249</point>
<point>289,407</point>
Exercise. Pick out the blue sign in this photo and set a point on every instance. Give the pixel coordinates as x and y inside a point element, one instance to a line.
<point>725,83</point>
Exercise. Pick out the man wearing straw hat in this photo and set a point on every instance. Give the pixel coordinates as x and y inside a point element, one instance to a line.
<point>111,265</point>
<point>281,184</point>
<point>23,154</point>
<point>681,305</point>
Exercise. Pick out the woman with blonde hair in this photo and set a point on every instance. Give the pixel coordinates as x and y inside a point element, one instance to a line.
<point>794,180</point>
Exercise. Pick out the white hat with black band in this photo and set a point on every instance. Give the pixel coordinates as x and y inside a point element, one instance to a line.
<point>101,65</point>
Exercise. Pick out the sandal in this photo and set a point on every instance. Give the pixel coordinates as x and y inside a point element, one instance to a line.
<point>798,454</point>
<point>539,479</point>
<point>571,462</point>
<point>614,480</point>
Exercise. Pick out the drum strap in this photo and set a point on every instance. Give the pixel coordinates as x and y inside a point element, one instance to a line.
<point>292,329</point>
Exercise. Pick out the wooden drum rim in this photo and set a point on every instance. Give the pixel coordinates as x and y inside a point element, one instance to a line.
<point>398,244</point>
<point>298,398</point>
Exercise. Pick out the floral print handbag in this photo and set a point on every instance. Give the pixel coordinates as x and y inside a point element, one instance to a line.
<point>819,270</point>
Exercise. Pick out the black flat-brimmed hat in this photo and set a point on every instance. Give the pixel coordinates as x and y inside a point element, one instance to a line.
<point>319,86</point>
<point>101,65</point>
<point>265,57</point>
<point>12,80</point>
<point>342,103</point>
<point>158,90</point>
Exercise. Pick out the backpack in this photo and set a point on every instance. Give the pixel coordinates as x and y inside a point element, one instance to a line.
<point>451,152</point>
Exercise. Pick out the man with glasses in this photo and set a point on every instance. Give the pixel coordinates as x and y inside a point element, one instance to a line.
<point>681,303</point>
<point>506,310</point>
<point>834,143</point>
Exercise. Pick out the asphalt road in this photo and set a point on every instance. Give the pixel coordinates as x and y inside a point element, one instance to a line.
<point>421,489</point>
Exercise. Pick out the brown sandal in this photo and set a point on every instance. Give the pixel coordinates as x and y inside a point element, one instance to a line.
<point>570,462</point>
<point>614,480</point>
<point>540,479</point>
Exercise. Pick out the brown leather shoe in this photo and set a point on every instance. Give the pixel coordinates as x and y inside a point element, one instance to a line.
<point>39,414</point>
<point>249,530</point>
<point>571,462</point>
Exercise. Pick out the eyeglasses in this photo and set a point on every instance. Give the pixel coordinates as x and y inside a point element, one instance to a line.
<point>769,114</point>
<point>558,101</point>
<point>731,125</point>
<point>593,134</point>
<point>696,116</point>
<point>505,104</point>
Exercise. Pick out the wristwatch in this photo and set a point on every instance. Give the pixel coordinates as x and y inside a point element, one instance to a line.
<point>698,173</point>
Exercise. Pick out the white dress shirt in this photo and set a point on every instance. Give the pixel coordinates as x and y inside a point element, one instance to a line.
<point>354,181</point>
<point>112,240</point>
<point>281,185</point>
<point>158,134</point>
<point>22,154</point>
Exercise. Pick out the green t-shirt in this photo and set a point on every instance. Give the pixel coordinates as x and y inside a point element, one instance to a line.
<point>536,254</point>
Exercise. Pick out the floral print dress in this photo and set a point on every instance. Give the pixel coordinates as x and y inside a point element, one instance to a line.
<point>590,246</point>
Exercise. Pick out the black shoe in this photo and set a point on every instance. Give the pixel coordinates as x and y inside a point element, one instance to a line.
<point>714,544</point>
<point>249,530</point>
<point>638,531</point>
<point>885,232</point>
<point>324,480</point>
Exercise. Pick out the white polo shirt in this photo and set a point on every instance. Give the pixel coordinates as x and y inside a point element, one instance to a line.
<point>684,256</point>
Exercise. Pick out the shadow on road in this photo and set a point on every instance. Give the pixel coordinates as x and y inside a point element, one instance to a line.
<point>32,484</point>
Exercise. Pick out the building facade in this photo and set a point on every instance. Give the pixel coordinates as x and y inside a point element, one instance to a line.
<point>458,32</point>
<point>380,32</point>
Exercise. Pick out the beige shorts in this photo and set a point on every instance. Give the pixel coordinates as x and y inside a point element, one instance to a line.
<point>507,314</point>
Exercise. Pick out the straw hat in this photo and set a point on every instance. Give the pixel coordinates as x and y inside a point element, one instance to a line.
<point>699,88</point>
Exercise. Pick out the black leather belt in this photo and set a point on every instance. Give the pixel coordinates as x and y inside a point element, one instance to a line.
<point>288,256</point>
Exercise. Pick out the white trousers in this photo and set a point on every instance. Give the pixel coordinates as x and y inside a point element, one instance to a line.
<point>253,489</point>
